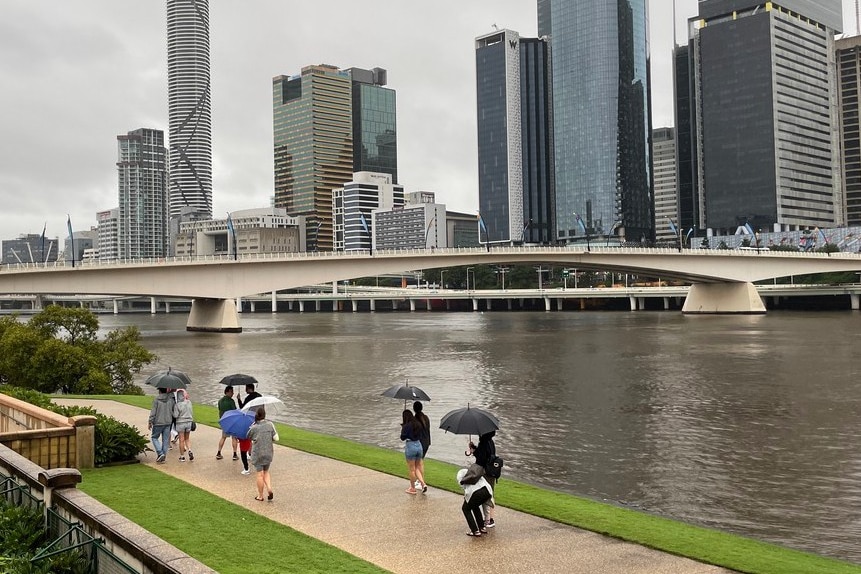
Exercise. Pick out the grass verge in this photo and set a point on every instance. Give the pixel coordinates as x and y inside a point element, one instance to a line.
<point>186,517</point>
<point>702,544</point>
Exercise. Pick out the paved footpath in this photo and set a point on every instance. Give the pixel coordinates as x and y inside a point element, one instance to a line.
<point>367,514</point>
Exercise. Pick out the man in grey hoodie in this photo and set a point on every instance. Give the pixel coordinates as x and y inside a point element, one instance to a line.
<point>160,420</point>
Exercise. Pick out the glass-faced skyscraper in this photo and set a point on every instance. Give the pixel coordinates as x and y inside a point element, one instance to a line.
<point>515,150</point>
<point>143,197</point>
<point>765,113</point>
<point>313,124</point>
<point>189,106</point>
<point>375,127</point>
<point>601,116</point>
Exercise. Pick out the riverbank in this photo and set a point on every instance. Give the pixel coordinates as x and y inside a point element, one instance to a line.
<point>704,545</point>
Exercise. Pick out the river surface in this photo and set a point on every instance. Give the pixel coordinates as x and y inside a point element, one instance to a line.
<point>748,424</point>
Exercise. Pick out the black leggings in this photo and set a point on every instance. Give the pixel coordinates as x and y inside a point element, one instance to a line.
<point>472,509</point>
<point>244,456</point>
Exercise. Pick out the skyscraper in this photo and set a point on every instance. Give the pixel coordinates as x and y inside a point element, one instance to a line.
<point>375,127</point>
<point>189,102</point>
<point>143,197</point>
<point>666,195</point>
<point>765,113</point>
<point>849,89</point>
<point>601,115</point>
<point>515,150</point>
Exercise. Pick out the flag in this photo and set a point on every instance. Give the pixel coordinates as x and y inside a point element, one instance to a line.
<point>365,223</point>
<point>748,228</point>
<point>688,235</point>
<point>481,224</point>
<point>822,235</point>
<point>231,235</point>
<point>673,227</point>
<point>580,222</point>
<point>44,229</point>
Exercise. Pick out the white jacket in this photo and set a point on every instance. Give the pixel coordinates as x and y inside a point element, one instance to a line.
<point>468,489</point>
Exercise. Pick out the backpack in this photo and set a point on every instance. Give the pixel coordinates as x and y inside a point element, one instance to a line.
<point>494,466</point>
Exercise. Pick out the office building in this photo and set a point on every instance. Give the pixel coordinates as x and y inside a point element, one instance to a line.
<point>666,198</point>
<point>313,141</point>
<point>353,204</point>
<point>689,208</point>
<point>765,108</point>
<point>601,116</point>
<point>375,129</point>
<point>107,230</point>
<point>189,106</point>
<point>30,248</point>
<point>85,244</point>
<point>515,159</point>
<point>461,229</point>
<point>420,223</point>
<point>250,231</point>
<point>143,194</point>
<point>849,97</point>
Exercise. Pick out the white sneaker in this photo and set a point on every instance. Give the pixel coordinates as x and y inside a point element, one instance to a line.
<point>245,472</point>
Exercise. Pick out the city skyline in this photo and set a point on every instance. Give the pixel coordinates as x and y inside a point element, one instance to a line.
<point>80,75</point>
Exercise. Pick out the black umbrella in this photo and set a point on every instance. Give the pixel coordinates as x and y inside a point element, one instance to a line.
<point>238,380</point>
<point>469,421</point>
<point>406,393</point>
<point>169,379</point>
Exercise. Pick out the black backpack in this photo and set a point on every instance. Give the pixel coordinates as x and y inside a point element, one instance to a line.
<point>494,466</point>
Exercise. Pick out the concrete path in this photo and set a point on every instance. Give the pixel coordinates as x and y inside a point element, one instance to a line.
<point>367,514</point>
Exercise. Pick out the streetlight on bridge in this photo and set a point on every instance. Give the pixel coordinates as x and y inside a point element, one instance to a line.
<point>441,275</point>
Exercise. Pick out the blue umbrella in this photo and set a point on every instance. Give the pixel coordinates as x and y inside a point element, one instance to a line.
<point>236,423</point>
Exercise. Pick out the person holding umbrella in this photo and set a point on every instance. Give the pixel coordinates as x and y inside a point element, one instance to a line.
<point>250,395</point>
<point>483,452</point>
<point>160,420</point>
<point>425,437</point>
<point>411,433</point>
<point>226,403</point>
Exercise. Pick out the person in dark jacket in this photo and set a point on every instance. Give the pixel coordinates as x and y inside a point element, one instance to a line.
<point>250,395</point>
<point>424,438</point>
<point>411,433</point>
<point>483,453</point>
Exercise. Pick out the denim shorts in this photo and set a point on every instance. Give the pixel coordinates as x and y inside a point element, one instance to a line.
<point>413,450</point>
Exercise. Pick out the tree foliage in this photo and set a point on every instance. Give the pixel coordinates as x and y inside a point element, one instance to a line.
<point>59,349</point>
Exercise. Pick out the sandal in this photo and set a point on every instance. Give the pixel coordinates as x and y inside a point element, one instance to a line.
<point>411,491</point>
<point>258,498</point>
<point>476,534</point>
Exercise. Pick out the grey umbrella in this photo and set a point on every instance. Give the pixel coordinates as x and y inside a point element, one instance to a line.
<point>169,379</point>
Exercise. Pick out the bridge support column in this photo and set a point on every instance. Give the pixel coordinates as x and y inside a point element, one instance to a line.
<point>475,304</point>
<point>427,305</point>
<point>239,304</point>
<point>253,304</point>
<point>412,304</point>
<point>723,298</point>
<point>448,304</point>
<point>641,303</point>
<point>301,306</point>
<point>373,303</point>
<point>116,307</point>
<point>666,303</point>
<point>559,304</point>
<point>274,301</point>
<point>633,302</point>
<point>854,301</point>
<point>510,302</point>
<point>355,305</point>
<point>317,305</point>
<point>167,307</point>
<point>394,304</point>
<point>153,306</point>
<point>213,315</point>
<point>547,303</point>
<point>37,302</point>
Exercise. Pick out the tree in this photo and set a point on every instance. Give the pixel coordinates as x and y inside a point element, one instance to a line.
<point>59,349</point>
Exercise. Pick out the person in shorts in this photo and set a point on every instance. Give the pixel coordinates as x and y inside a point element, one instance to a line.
<point>262,435</point>
<point>411,433</point>
<point>184,416</point>
<point>226,403</point>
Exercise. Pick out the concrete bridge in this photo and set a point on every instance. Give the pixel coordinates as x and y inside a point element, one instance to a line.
<point>721,280</point>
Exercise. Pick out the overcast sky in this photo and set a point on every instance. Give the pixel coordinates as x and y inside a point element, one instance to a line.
<point>75,74</point>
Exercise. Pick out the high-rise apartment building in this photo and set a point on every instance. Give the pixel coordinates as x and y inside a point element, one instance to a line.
<point>143,196</point>
<point>764,109</point>
<point>849,91</point>
<point>352,208</point>
<point>666,193</point>
<point>375,127</point>
<point>108,234</point>
<point>189,103</point>
<point>313,127</point>
<point>601,116</point>
<point>515,149</point>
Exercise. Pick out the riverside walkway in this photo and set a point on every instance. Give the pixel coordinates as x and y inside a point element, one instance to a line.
<point>367,514</point>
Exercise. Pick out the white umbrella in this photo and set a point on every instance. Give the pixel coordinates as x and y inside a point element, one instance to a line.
<point>265,400</point>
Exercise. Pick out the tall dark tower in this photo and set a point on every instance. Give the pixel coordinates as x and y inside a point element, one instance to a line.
<point>189,103</point>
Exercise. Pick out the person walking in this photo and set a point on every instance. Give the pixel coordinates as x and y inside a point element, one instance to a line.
<point>424,437</point>
<point>182,412</point>
<point>226,403</point>
<point>476,492</point>
<point>262,435</point>
<point>411,433</point>
<point>244,449</point>
<point>160,420</point>
<point>250,395</point>
<point>483,452</point>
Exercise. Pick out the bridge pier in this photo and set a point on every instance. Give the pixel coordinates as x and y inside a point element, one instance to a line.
<point>666,303</point>
<point>723,299</point>
<point>559,304</point>
<point>412,304</point>
<point>373,303</point>
<point>213,315</point>
<point>116,307</point>
<point>167,307</point>
<point>475,304</point>
<point>633,302</point>
<point>547,303</point>
<point>153,306</point>
<point>355,305</point>
<point>854,301</point>
<point>301,306</point>
<point>274,301</point>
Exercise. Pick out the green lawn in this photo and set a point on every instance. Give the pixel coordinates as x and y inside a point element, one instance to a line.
<point>706,545</point>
